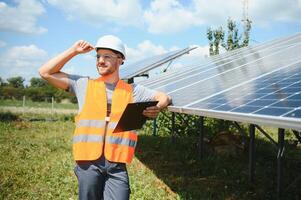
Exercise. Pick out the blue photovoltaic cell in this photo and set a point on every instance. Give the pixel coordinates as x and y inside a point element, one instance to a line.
<point>276,95</point>
<point>246,109</point>
<point>260,103</point>
<point>273,111</point>
<point>288,103</point>
<point>294,114</point>
<point>295,97</point>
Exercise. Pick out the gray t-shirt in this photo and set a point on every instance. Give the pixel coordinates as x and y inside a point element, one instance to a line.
<point>78,85</point>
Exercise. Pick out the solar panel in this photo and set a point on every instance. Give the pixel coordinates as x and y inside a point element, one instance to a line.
<point>222,60</point>
<point>142,66</point>
<point>214,59</point>
<point>224,77</point>
<point>260,84</point>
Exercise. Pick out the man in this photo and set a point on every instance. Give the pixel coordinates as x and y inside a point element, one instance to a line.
<point>101,155</point>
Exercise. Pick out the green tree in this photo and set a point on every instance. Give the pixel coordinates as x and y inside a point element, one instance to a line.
<point>234,40</point>
<point>16,82</point>
<point>39,90</point>
<point>35,93</point>
<point>215,38</point>
<point>10,92</point>
<point>247,29</point>
<point>37,82</point>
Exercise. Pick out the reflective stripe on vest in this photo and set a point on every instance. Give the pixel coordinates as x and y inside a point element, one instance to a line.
<point>112,125</point>
<point>121,141</point>
<point>87,138</point>
<point>91,123</point>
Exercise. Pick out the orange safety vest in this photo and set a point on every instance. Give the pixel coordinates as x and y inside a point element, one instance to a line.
<point>94,135</point>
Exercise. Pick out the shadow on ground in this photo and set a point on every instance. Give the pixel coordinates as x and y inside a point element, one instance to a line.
<point>177,164</point>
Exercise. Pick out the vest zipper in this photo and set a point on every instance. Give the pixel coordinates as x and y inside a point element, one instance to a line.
<point>107,119</point>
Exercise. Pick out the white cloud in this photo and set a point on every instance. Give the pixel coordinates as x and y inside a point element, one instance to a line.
<point>200,51</point>
<point>169,16</point>
<point>143,50</point>
<point>147,49</point>
<point>122,12</point>
<point>2,44</point>
<point>264,12</point>
<point>172,16</point>
<point>21,18</point>
<point>22,61</point>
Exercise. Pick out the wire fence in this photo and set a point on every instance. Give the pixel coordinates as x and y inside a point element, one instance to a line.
<point>49,105</point>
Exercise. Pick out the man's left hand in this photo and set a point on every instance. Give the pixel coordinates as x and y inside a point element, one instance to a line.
<point>151,112</point>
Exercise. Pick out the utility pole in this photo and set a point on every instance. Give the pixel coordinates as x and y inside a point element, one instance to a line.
<point>245,10</point>
<point>246,22</point>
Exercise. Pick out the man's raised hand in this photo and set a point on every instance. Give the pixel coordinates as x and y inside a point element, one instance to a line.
<point>82,46</point>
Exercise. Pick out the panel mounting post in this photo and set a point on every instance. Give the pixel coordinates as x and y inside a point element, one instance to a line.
<point>280,162</point>
<point>201,136</point>
<point>154,127</point>
<point>252,153</point>
<point>173,131</point>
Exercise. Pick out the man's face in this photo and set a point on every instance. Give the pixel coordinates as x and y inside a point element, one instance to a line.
<point>107,62</point>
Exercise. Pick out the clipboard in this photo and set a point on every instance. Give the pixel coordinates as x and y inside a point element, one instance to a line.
<point>132,117</point>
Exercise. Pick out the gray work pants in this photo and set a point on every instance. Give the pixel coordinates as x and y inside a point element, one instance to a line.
<point>102,180</point>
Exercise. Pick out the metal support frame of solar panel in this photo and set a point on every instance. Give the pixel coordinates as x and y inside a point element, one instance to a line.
<point>229,56</point>
<point>145,65</point>
<point>193,96</point>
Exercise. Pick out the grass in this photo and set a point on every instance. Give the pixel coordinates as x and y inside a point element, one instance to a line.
<point>36,163</point>
<point>214,177</point>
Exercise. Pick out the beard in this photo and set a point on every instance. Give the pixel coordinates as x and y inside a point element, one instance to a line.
<point>105,70</point>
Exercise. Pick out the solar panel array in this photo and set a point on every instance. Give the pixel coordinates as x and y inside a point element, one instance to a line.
<point>259,84</point>
<point>145,65</point>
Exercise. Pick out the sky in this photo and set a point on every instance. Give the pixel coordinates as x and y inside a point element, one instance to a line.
<point>34,31</point>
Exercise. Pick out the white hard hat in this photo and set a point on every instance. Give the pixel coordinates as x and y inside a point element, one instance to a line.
<point>111,42</point>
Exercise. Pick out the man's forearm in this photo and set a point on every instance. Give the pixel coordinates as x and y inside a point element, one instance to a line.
<point>51,70</point>
<point>55,64</point>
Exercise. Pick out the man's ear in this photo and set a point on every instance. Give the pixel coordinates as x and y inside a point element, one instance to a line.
<point>121,63</point>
